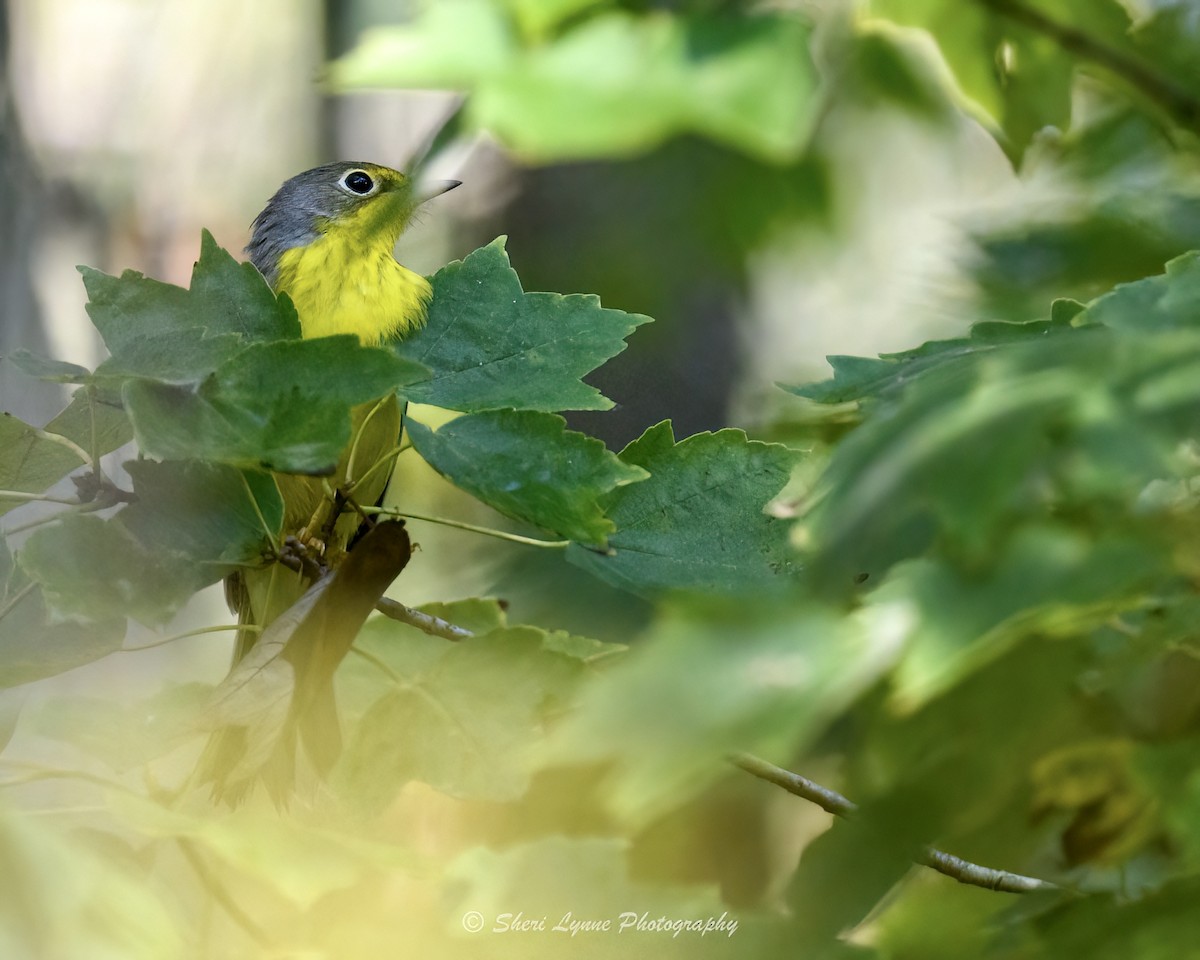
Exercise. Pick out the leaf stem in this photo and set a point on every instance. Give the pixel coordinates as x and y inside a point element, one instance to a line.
<point>16,598</point>
<point>358,435</point>
<point>382,461</point>
<point>69,444</point>
<point>36,772</point>
<point>49,518</point>
<point>258,513</point>
<point>249,627</point>
<point>95,444</point>
<point>218,892</point>
<point>39,497</point>
<point>379,665</point>
<point>833,802</point>
<point>471,528</point>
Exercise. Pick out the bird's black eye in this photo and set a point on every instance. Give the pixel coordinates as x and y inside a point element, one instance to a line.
<point>358,181</point>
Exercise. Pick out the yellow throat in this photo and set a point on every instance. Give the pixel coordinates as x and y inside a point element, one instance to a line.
<point>347,281</point>
<point>325,239</point>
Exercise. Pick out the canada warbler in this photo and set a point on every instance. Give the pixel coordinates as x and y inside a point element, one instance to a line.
<point>325,239</point>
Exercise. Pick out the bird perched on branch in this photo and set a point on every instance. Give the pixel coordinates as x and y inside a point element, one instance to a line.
<point>326,239</point>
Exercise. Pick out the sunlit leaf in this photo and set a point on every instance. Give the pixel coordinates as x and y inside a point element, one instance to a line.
<point>1012,66</point>
<point>537,16</point>
<point>610,84</point>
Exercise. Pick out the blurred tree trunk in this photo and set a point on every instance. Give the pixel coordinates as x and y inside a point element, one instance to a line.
<point>20,202</point>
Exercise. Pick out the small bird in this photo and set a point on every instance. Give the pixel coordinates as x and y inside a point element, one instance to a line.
<point>326,239</point>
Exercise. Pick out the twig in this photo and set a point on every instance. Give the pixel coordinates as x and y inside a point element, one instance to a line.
<point>1175,99</point>
<point>828,800</point>
<point>833,802</point>
<point>425,622</point>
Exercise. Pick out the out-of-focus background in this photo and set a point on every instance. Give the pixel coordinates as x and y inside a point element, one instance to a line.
<point>772,182</point>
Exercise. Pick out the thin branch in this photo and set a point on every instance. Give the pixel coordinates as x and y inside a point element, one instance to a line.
<point>471,528</point>
<point>425,622</point>
<point>828,800</point>
<point>833,802</point>
<point>1174,98</point>
<point>978,876</point>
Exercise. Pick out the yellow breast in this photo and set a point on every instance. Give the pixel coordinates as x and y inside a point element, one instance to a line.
<point>340,286</point>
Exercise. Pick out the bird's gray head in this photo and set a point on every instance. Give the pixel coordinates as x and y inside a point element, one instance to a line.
<point>369,199</point>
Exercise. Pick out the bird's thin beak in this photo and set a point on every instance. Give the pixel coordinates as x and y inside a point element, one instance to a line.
<point>429,189</point>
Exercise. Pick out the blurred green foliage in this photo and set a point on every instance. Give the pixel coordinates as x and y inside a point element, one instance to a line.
<point>963,590</point>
